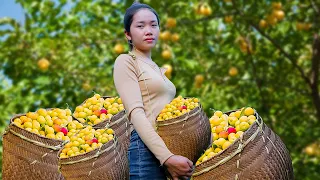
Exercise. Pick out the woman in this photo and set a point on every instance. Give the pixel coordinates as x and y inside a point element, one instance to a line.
<point>145,90</point>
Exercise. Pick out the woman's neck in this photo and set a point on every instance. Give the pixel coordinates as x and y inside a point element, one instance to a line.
<point>146,54</point>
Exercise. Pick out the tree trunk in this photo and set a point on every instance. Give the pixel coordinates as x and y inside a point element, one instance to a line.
<point>315,75</point>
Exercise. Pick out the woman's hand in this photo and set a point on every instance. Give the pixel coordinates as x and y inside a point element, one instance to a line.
<point>179,166</point>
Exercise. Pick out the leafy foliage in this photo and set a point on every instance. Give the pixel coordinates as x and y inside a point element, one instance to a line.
<point>276,66</point>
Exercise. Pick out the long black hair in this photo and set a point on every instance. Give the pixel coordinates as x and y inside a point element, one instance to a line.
<point>130,12</point>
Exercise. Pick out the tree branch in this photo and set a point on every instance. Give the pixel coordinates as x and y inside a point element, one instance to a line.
<point>214,16</point>
<point>315,60</point>
<point>287,55</point>
<point>315,74</point>
<point>315,7</point>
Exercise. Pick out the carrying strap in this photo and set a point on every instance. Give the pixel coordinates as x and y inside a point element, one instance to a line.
<point>134,57</point>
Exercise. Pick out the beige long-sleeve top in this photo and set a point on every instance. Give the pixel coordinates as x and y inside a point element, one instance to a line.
<point>133,79</point>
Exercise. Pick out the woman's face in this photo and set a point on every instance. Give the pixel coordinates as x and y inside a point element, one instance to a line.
<point>144,30</point>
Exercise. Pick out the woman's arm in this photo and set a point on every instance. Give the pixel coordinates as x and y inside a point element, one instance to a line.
<point>126,83</point>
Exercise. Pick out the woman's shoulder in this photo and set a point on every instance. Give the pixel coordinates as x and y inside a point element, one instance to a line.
<point>124,59</point>
<point>125,62</point>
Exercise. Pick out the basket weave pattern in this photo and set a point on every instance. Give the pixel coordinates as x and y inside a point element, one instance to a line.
<point>108,162</point>
<point>187,135</point>
<point>29,156</point>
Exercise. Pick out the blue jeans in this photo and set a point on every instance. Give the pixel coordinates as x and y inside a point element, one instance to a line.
<point>142,163</point>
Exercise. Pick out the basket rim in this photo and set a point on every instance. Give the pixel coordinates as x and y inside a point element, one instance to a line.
<point>24,130</point>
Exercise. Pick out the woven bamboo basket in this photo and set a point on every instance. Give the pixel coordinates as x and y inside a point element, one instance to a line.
<point>119,123</point>
<point>187,135</point>
<point>121,126</point>
<point>108,162</point>
<point>29,156</point>
<point>258,154</point>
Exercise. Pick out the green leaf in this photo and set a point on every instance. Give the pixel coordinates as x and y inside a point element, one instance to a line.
<point>42,80</point>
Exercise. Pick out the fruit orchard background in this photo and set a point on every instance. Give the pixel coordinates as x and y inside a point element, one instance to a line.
<point>229,53</point>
